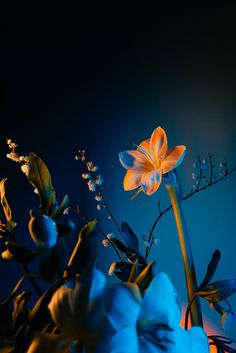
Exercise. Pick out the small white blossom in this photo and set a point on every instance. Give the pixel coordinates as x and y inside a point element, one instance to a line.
<point>90,166</point>
<point>105,243</point>
<point>66,211</point>
<point>91,185</point>
<point>110,236</point>
<point>12,145</point>
<point>36,191</point>
<point>25,168</point>
<point>99,207</point>
<point>86,176</point>
<point>203,165</point>
<point>95,168</point>
<point>194,176</point>
<point>13,156</point>
<point>99,180</point>
<point>147,243</point>
<point>98,197</point>
<point>80,156</point>
<point>109,217</point>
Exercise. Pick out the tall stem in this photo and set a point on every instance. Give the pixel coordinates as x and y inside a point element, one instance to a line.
<point>190,274</point>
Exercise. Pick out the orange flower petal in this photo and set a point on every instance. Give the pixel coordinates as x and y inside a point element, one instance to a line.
<point>174,157</point>
<point>150,182</point>
<point>135,160</point>
<point>158,143</point>
<point>146,146</point>
<point>132,180</point>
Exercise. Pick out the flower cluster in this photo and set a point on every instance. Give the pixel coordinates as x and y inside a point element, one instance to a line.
<point>14,156</point>
<point>95,318</point>
<point>94,180</point>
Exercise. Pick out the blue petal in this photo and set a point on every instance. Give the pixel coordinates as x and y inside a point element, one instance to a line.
<point>198,339</point>
<point>123,341</point>
<point>122,305</point>
<point>160,304</point>
<point>135,160</point>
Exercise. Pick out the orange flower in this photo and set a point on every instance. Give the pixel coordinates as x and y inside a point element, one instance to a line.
<point>149,161</point>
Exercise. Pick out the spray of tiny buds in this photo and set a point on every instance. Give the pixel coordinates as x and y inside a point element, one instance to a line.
<point>14,156</point>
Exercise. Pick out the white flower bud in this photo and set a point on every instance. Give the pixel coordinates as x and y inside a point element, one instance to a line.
<point>25,168</point>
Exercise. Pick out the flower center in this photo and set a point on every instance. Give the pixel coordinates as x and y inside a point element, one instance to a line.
<point>157,334</point>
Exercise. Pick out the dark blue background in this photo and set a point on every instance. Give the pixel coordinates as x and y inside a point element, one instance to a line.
<point>102,78</point>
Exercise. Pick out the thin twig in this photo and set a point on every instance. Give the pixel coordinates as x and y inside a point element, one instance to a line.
<point>109,211</point>
<point>110,241</point>
<point>86,220</point>
<point>211,182</point>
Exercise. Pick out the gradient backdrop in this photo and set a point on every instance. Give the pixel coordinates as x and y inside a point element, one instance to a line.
<point>102,78</point>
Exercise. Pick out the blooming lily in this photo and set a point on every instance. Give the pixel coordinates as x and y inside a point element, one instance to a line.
<point>149,161</point>
<point>150,324</point>
<point>119,319</point>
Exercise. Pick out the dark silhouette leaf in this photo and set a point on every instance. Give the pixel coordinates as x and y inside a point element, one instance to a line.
<point>50,261</point>
<point>20,313</point>
<point>145,277</point>
<point>122,247</point>
<point>121,269</point>
<point>5,320</point>
<point>219,290</point>
<point>129,237</point>
<point>211,268</point>
<point>18,253</point>
<point>85,252</point>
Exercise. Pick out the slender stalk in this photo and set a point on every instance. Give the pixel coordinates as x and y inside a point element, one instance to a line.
<point>32,280</point>
<point>190,274</point>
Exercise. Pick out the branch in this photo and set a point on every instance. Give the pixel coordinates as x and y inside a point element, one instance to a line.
<point>198,189</point>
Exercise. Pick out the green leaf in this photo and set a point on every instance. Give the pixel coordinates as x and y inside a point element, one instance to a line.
<point>145,277</point>
<point>6,207</point>
<point>40,178</point>
<point>84,253</point>
<point>58,211</point>
<point>4,202</point>
<point>20,313</point>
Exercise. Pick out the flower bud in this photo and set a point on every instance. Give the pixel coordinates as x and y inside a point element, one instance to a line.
<point>42,230</point>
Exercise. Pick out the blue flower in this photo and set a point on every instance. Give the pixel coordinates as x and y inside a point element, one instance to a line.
<point>118,319</point>
<point>150,324</point>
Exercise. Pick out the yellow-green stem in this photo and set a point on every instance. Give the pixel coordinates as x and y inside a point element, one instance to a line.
<point>190,274</point>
